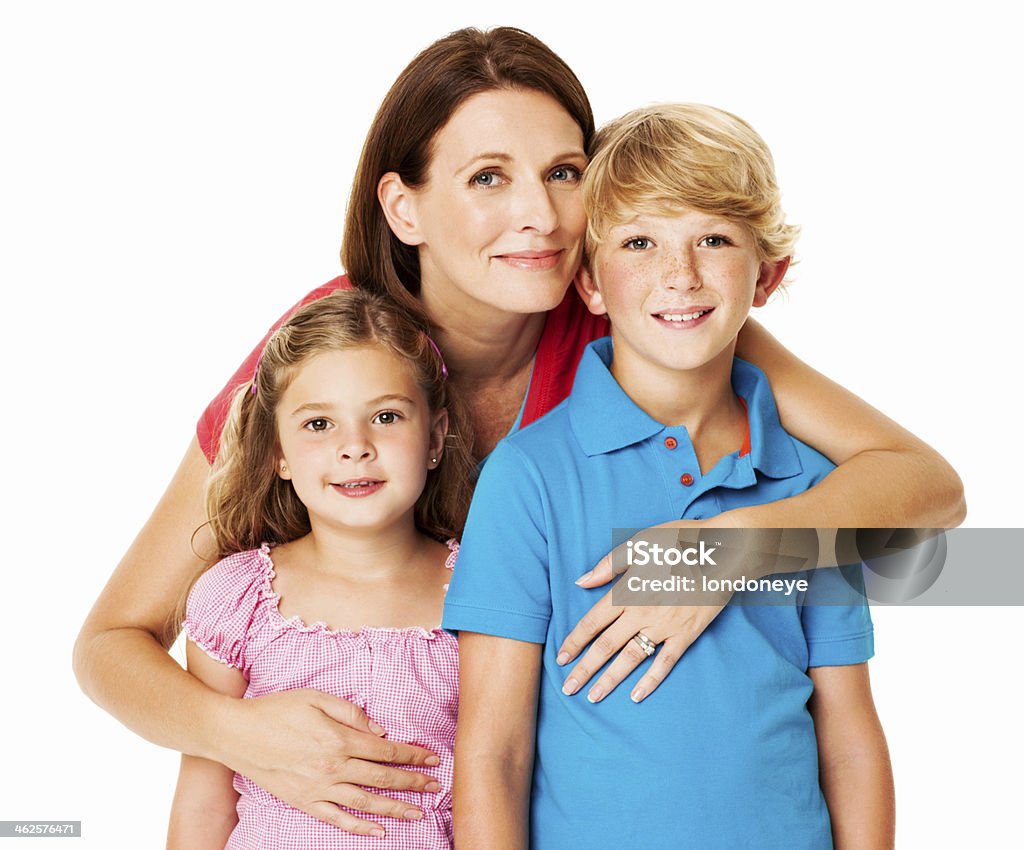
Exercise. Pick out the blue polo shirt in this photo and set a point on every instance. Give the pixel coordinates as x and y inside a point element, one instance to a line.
<point>723,754</point>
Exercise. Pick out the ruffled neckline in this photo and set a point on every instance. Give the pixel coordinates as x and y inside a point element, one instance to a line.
<point>296,623</point>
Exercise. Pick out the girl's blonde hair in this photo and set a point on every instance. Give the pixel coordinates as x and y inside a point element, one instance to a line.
<point>656,159</point>
<point>247,503</point>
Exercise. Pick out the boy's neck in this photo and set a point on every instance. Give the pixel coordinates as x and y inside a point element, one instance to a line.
<point>702,400</point>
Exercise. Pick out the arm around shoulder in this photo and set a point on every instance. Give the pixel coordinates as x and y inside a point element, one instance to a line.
<point>885,478</point>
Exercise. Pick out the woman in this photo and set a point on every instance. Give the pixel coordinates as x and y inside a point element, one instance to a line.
<point>465,206</point>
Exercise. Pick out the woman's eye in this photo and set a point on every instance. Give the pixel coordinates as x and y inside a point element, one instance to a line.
<point>714,241</point>
<point>637,243</point>
<point>486,178</point>
<point>318,425</point>
<point>566,174</point>
<point>387,417</point>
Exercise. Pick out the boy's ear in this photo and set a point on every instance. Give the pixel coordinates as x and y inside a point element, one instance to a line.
<point>438,431</point>
<point>589,292</point>
<point>398,202</point>
<point>768,280</point>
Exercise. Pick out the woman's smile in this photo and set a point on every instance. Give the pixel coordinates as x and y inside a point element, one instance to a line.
<point>532,260</point>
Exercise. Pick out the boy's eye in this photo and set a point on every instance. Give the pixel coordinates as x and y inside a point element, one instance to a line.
<point>486,178</point>
<point>566,174</point>
<point>637,243</point>
<point>317,425</point>
<point>714,241</point>
<point>387,417</point>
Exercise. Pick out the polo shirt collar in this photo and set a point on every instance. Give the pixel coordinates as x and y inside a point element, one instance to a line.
<point>604,419</point>
<point>602,416</point>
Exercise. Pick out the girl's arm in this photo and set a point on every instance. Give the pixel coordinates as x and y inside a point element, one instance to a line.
<point>310,749</point>
<point>885,476</point>
<point>494,743</point>
<point>853,759</point>
<point>203,813</point>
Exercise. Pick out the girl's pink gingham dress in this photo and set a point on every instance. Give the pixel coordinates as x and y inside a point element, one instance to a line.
<point>404,679</point>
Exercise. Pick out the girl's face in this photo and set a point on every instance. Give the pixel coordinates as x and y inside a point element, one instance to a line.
<point>357,438</point>
<point>500,220</point>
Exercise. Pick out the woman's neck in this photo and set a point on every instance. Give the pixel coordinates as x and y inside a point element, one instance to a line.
<point>482,346</point>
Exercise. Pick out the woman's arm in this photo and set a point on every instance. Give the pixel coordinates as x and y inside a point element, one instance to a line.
<point>494,744</point>
<point>853,759</point>
<point>310,749</point>
<point>203,812</point>
<point>885,476</point>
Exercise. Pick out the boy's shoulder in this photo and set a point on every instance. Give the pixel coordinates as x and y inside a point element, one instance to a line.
<point>535,450</point>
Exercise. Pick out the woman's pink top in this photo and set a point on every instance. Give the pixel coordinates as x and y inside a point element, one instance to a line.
<point>407,680</point>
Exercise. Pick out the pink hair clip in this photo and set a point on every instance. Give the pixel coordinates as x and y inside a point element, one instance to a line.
<point>256,371</point>
<point>433,345</point>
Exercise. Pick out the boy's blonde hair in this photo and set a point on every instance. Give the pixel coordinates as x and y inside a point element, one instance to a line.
<point>662,157</point>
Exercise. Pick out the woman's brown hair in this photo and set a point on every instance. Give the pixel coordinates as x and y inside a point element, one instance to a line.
<point>247,503</point>
<point>422,100</point>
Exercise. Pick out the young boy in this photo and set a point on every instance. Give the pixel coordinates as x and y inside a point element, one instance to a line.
<point>686,234</point>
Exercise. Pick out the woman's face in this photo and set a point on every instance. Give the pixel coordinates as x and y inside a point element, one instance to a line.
<point>500,220</point>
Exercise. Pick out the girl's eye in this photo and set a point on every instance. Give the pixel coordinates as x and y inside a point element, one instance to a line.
<point>387,417</point>
<point>486,178</point>
<point>317,425</point>
<point>637,243</point>
<point>566,174</point>
<point>714,241</point>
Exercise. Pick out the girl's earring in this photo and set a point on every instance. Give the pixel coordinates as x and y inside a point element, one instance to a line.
<point>284,468</point>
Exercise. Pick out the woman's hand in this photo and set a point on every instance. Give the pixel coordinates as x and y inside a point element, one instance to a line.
<point>673,627</point>
<point>310,749</point>
<point>611,629</point>
<point>314,751</point>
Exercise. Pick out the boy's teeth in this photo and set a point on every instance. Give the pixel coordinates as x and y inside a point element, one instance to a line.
<point>682,317</point>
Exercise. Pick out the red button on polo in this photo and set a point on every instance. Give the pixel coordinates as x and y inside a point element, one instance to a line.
<point>686,479</point>
<point>670,443</point>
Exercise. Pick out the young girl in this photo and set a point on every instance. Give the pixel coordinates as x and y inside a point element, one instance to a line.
<point>341,469</point>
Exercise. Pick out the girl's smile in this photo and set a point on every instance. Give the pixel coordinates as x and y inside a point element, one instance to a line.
<point>357,438</point>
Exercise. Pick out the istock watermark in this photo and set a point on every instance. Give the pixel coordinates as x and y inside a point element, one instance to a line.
<point>644,552</point>
<point>701,566</point>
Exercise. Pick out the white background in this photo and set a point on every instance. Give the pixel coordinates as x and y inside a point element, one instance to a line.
<point>174,176</point>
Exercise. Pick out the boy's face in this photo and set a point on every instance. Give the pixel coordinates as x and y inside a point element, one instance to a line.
<point>677,288</point>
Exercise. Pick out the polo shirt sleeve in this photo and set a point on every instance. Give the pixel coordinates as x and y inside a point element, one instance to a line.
<point>836,618</point>
<point>501,585</point>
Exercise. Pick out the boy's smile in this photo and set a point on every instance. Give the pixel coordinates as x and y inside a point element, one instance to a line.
<point>677,288</point>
